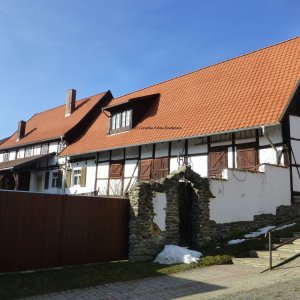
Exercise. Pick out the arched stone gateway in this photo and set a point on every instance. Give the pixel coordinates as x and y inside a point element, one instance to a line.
<point>179,209</point>
<point>173,210</point>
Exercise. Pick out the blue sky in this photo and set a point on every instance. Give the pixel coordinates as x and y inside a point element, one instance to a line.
<point>48,47</point>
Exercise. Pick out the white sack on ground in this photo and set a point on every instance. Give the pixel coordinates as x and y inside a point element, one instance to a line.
<point>175,255</point>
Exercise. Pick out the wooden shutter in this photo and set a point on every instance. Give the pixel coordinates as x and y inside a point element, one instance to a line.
<point>59,178</point>
<point>68,178</point>
<point>145,169</point>
<point>160,168</point>
<point>46,184</point>
<point>217,161</point>
<point>83,176</point>
<point>116,170</point>
<point>165,164</point>
<point>247,157</point>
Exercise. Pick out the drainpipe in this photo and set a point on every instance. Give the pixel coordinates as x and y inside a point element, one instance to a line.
<point>263,128</point>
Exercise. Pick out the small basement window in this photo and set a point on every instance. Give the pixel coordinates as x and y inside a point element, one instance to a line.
<point>120,121</point>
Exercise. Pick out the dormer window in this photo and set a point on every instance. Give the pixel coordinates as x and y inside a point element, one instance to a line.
<point>120,121</point>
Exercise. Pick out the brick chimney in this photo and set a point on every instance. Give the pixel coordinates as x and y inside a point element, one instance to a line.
<point>70,105</point>
<point>21,129</point>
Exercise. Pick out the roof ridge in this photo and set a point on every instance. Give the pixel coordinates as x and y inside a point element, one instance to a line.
<point>210,66</point>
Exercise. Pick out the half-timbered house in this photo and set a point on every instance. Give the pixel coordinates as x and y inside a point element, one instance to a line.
<point>239,114</point>
<point>28,159</point>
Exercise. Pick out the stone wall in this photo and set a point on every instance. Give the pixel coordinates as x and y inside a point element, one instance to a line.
<point>147,238</point>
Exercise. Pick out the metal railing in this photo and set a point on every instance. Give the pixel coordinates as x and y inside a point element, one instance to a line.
<point>271,248</point>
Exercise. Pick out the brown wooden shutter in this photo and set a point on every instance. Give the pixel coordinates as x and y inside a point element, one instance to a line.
<point>59,178</point>
<point>46,184</point>
<point>217,161</point>
<point>68,178</point>
<point>145,169</point>
<point>156,169</point>
<point>160,168</point>
<point>165,164</point>
<point>83,177</point>
<point>247,157</point>
<point>116,170</point>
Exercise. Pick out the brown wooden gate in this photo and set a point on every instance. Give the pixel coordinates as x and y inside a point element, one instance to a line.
<point>43,231</point>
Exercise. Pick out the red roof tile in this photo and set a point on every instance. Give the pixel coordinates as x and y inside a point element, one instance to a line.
<point>244,92</point>
<point>52,124</point>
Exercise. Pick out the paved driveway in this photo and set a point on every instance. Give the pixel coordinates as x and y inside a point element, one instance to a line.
<point>216,282</point>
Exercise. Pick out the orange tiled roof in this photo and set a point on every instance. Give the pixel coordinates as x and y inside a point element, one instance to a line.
<point>244,92</point>
<point>52,124</point>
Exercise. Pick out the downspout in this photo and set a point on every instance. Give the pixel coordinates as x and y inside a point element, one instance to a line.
<point>263,128</point>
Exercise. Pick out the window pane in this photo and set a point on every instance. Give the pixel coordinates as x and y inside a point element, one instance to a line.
<point>123,118</point>
<point>118,117</point>
<point>128,114</point>
<point>113,122</point>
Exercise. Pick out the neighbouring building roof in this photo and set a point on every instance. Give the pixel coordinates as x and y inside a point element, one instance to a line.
<point>21,162</point>
<point>3,140</point>
<point>53,124</point>
<point>244,92</point>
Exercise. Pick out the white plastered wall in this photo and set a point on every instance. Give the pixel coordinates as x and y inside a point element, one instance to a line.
<point>131,171</point>
<point>245,194</point>
<point>21,153</point>
<point>159,210</point>
<point>90,177</point>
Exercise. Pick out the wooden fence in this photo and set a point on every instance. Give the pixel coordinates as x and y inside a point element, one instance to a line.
<point>44,231</point>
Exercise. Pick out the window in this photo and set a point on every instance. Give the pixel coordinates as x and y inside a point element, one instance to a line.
<point>120,121</point>
<point>28,151</point>
<point>54,179</point>
<point>116,170</point>
<point>217,161</point>
<point>61,146</point>
<point>44,149</point>
<point>79,177</point>
<point>6,156</point>
<point>76,177</point>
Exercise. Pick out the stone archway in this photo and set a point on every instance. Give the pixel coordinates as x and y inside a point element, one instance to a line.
<point>155,213</point>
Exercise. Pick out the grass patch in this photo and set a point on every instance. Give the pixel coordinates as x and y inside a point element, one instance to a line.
<point>42,282</point>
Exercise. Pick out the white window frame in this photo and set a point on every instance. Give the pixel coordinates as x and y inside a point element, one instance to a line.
<point>76,177</point>
<point>6,156</point>
<point>28,151</point>
<point>61,146</point>
<point>121,121</point>
<point>54,180</point>
<point>44,148</point>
